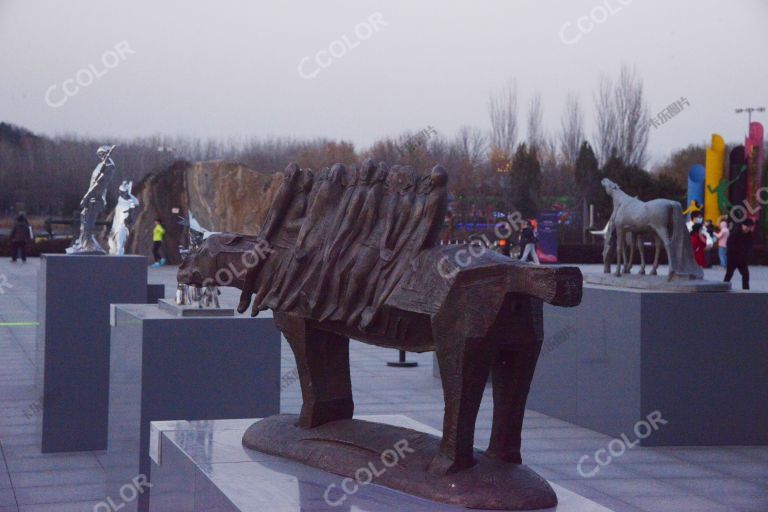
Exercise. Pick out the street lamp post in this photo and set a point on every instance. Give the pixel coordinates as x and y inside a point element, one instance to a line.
<point>749,111</point>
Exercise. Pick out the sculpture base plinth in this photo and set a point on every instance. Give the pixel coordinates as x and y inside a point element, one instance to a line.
<point>656,283</point>
<point>398,458</point>
<point>404,364</point>
<point>163,367</point>
<point>72,346</point>
<point>625,354</point>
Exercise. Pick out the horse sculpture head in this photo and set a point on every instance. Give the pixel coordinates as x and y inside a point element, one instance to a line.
<point>222,259</point>
<point>609,186</point>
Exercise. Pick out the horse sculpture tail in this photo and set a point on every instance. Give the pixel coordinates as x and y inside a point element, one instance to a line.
<point>682,263</point>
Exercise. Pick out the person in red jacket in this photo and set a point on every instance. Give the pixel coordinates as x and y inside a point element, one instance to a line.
<point>699,244</point>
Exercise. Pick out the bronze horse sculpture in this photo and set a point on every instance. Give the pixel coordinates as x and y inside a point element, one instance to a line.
<point>354,253</point>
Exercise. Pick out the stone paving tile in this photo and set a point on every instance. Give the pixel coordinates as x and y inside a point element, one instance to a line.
<point>641,480</point>
<point>5,479</point>
<point>700,454</point>
<point>7,498</point>
<point>21,479</point>
<point>676,470</point>
<point>627,488</point>
<point>744,503</point>
<point>64,462</point>
<point>9,441</point>
<point>80,506</point>
<point>32,451</point>
<point>543,444</point>
<point>613,472</point>
<point>561,433</point>
<point>756,452</point>
<point>617,505</point>
<point>59,494</point>
<point>714,487</point>
<point>676,504</point>
<point>751,470</point>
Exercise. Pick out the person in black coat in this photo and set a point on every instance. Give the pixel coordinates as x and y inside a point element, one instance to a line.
<point>20,236</point>
<point>711,250</point>
<point>738,251</point>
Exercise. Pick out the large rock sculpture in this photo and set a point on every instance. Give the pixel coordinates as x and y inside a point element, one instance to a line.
<point>353,253</point>
<point>223,196</point>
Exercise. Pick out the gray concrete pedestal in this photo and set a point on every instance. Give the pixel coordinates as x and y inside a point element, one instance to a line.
<point>190,476</point>
<point>166,367</point>
<point>74,294</point>
<point>700,360</point>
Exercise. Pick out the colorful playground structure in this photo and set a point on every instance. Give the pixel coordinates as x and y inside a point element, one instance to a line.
<point>732,187</point>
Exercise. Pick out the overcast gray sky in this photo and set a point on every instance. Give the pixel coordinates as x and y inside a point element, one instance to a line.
<point>234,68</point>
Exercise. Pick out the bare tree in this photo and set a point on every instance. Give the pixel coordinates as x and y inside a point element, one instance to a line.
<point>557,174</point>
<point>472,145</point>
<point>605,120</point>
<point>535,122</point>
<point>571,129</point>
<point>621,118</point>
<point>633,114</point>
<point>502,110</point>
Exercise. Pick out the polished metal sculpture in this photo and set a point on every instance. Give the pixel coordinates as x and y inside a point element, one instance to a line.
<point>93,203</point>
<point>126,210</point>
<point>662,218</point>
<point>354,254</point>
<point>183,295</point>
<point>207,294</point>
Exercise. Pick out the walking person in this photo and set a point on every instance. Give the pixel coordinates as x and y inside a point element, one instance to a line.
<point>722,243</point>
<point>528,242</point>
<point>739,249</point>
<point>158,234</point>
<point>21,234</point>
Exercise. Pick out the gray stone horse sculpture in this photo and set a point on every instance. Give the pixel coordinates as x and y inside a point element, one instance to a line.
<point>660,217</point>
<point>632,239</point>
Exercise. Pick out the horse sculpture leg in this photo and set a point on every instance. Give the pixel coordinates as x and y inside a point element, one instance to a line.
<point>661,233</point>
<point>464,368</point>
<point>642,256</point>
<point>629,261</point>
<point>322,359</point>
<point>607,251</point>
<point>657,254</point>
<point>519,336</point>
<point>619,249</point>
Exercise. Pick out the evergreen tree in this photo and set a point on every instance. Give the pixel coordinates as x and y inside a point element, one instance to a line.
<point>587,175</point>
<point>525,181</point>
<point>639,183</point>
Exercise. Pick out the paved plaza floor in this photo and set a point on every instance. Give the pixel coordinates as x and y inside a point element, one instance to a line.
<point>695,479</point>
